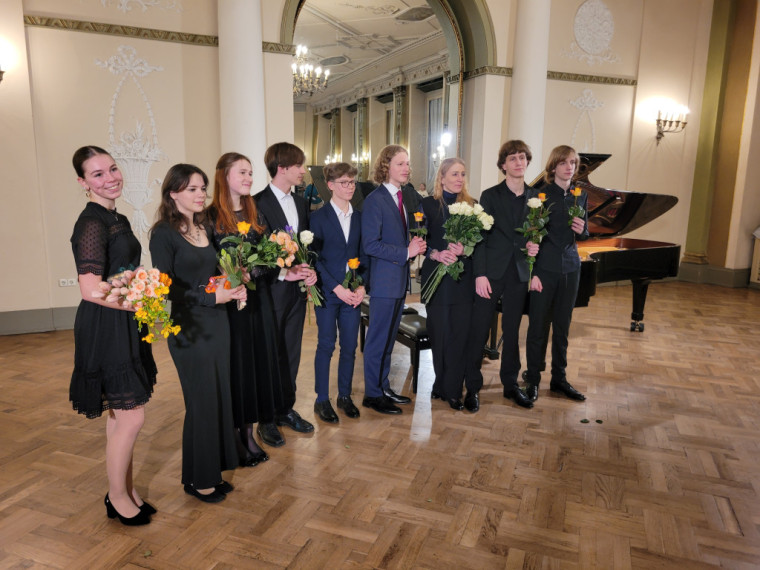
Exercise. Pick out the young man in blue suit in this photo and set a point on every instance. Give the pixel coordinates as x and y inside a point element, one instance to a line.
<point>337,239</point>
<point>385,238</point>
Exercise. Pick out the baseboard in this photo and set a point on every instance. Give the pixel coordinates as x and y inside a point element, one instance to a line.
<point>711,275</point>
<point>37,320</point>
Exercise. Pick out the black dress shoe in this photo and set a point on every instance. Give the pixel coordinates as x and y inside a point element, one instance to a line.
<point>347,405</point>
<point>455,403</point>
<point>531,390</point>
<point>224,487</point>
<point>381,404</point>
<point>395,398</point>
<point>139,519</point>
<point>566,389</point>
<point>325,412</point>
<point>518,396</point>
<point>294,422</point>
<point>214,496</point>
<point>434,395</point>
<point>270,435</point>
<point>147,508</point>
<point>472,402</point>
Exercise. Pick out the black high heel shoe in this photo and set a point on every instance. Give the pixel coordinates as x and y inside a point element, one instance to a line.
<point>147,508</point>
<point>139,519</point>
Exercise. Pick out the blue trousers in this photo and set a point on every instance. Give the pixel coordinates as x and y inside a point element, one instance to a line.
<point>384,318</point>
<point>333,318</point>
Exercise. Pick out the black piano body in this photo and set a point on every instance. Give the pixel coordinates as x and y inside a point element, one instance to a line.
<point>607,257</point>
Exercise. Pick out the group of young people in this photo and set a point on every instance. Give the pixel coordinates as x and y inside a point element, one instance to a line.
<point>238,350</point>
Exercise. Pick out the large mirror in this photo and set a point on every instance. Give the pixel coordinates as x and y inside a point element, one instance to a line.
<point>394,78</point>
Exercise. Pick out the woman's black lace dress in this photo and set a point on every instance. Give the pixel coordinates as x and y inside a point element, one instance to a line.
<point>113,368</point>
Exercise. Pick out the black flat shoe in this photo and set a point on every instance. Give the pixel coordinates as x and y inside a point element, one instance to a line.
<point>518,396</point>
<point>472,402</point>
<point>214,496</point>
<point>395,398</point>
<point>147,508</point>
<point>455,403</point>
<point>566,389</point>
<point>381,404</point>
<point>325,412</point>
<point>532,392</point>
<point>346,404</point>
<point>224,487</point>
<point>139,519</point>
<point>294,422</point>
<point>270,435</point>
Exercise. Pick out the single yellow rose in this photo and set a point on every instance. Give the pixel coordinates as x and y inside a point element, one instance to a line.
<point>353,263</point>
<point>418,217</point>
<point>542,197</point>
<point>243,227</point>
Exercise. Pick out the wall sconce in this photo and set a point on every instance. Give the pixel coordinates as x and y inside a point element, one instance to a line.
<point>360,161</point>
<point>1,75</point>
<point>670,122</point>
<point>440,151</point>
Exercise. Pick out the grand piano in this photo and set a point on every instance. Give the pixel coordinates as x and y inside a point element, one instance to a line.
<point>607,257</point>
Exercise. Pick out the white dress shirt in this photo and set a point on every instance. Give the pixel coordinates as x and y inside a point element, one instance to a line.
<point>288,205</point>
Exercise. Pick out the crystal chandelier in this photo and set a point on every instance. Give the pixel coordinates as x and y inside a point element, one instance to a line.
<point>306,79</point>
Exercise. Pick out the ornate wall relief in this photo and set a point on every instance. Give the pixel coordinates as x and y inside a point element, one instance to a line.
<point>127,5</point>
<point>593,28</point>
<point>584,132</point>
<point>134,151</point>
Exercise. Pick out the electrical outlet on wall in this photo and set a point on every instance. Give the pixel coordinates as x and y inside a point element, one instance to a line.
<point>71,282</point>
<point>62,282</point>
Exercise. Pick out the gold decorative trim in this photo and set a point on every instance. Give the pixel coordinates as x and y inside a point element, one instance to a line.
<point>582,78</point>
<point>485,70</point>
<point>273,47</point>
<point>121,30</point>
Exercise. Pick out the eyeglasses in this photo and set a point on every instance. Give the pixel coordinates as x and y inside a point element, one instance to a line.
<point>345,183</point>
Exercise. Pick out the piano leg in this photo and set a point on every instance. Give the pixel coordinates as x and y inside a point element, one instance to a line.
<point>640,287</point>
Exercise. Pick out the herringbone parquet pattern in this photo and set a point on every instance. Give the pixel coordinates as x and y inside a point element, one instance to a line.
<point>666,473</point>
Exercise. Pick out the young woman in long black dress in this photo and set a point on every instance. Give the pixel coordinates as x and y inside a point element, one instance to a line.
<point>259,391</point>
<point>114,371</point>
<point>181,246</point>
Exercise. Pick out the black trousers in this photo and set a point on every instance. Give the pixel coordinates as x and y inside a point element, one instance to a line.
<point>290,312</point>
<point>448,327</point>
<point>552,307</point>
<point>514,293</point>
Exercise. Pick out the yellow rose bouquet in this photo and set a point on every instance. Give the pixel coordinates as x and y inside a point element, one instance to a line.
<point>146,291</point>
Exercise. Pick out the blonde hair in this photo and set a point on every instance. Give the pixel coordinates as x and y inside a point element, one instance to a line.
<point>464,195</point>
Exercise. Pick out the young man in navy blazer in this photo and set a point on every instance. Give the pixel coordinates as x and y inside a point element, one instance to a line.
<point>337,239</point>
<point>385,238</point>
<point>281,208</point>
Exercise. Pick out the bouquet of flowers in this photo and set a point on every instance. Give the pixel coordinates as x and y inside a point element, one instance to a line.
<point>465,225</point>
<point>575,211</point>
<point>303,255</point>
<point>534,227</point>
<point>352,281</point>
<point>420,230</point>
<point>233,261</point>
<point>146,291</point>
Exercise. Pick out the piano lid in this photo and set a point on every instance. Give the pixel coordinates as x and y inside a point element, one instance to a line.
<point>614,212</point>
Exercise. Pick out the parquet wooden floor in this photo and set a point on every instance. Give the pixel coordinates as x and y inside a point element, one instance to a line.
<point>666,474</point>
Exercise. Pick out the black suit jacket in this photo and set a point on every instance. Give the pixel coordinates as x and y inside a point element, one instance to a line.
<point>449,292</point>
<point>493,255</point>
<point>274,217</point>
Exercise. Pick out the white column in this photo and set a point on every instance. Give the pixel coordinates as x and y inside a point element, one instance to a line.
<point>241,83</point>
<point>528,100</point>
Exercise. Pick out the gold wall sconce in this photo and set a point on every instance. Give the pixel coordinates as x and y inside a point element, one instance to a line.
<point>671,122</point>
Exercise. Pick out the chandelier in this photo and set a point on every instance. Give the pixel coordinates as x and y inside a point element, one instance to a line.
<point>306,79</point>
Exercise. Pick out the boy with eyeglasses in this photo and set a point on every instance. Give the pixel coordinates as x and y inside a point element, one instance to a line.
<point>337,240</point>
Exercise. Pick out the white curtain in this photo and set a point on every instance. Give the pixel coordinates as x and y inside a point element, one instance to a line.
<point>435,128</point>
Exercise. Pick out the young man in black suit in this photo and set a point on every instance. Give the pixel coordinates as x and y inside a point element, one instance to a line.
<point>281,208</point>
<point>500,269</point>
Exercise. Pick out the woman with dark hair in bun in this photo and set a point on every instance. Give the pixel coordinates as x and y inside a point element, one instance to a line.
<point>114,371</point>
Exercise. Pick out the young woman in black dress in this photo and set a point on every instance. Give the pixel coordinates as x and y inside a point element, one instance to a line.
<point>180,244</point>
<point>448,312</point>
<point>114,371</point>
<point>259,391</point>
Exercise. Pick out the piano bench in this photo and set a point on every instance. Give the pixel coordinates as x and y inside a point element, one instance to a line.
<point>412,333</point>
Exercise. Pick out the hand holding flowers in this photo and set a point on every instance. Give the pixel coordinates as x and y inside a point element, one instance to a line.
<point>575,211</point>
<point>233,261</point>
<point>534,229</point>
<point>146,291</point>
<point>465,227</point>
<point>304,257</point>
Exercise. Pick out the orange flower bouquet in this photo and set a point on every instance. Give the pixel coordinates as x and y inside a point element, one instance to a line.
<point>146,291</point>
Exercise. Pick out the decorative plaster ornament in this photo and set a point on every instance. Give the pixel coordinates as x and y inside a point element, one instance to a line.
<point>134,153</point>
<point>594,28</point>
<point>126,5</point>
<point>586,104</point>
